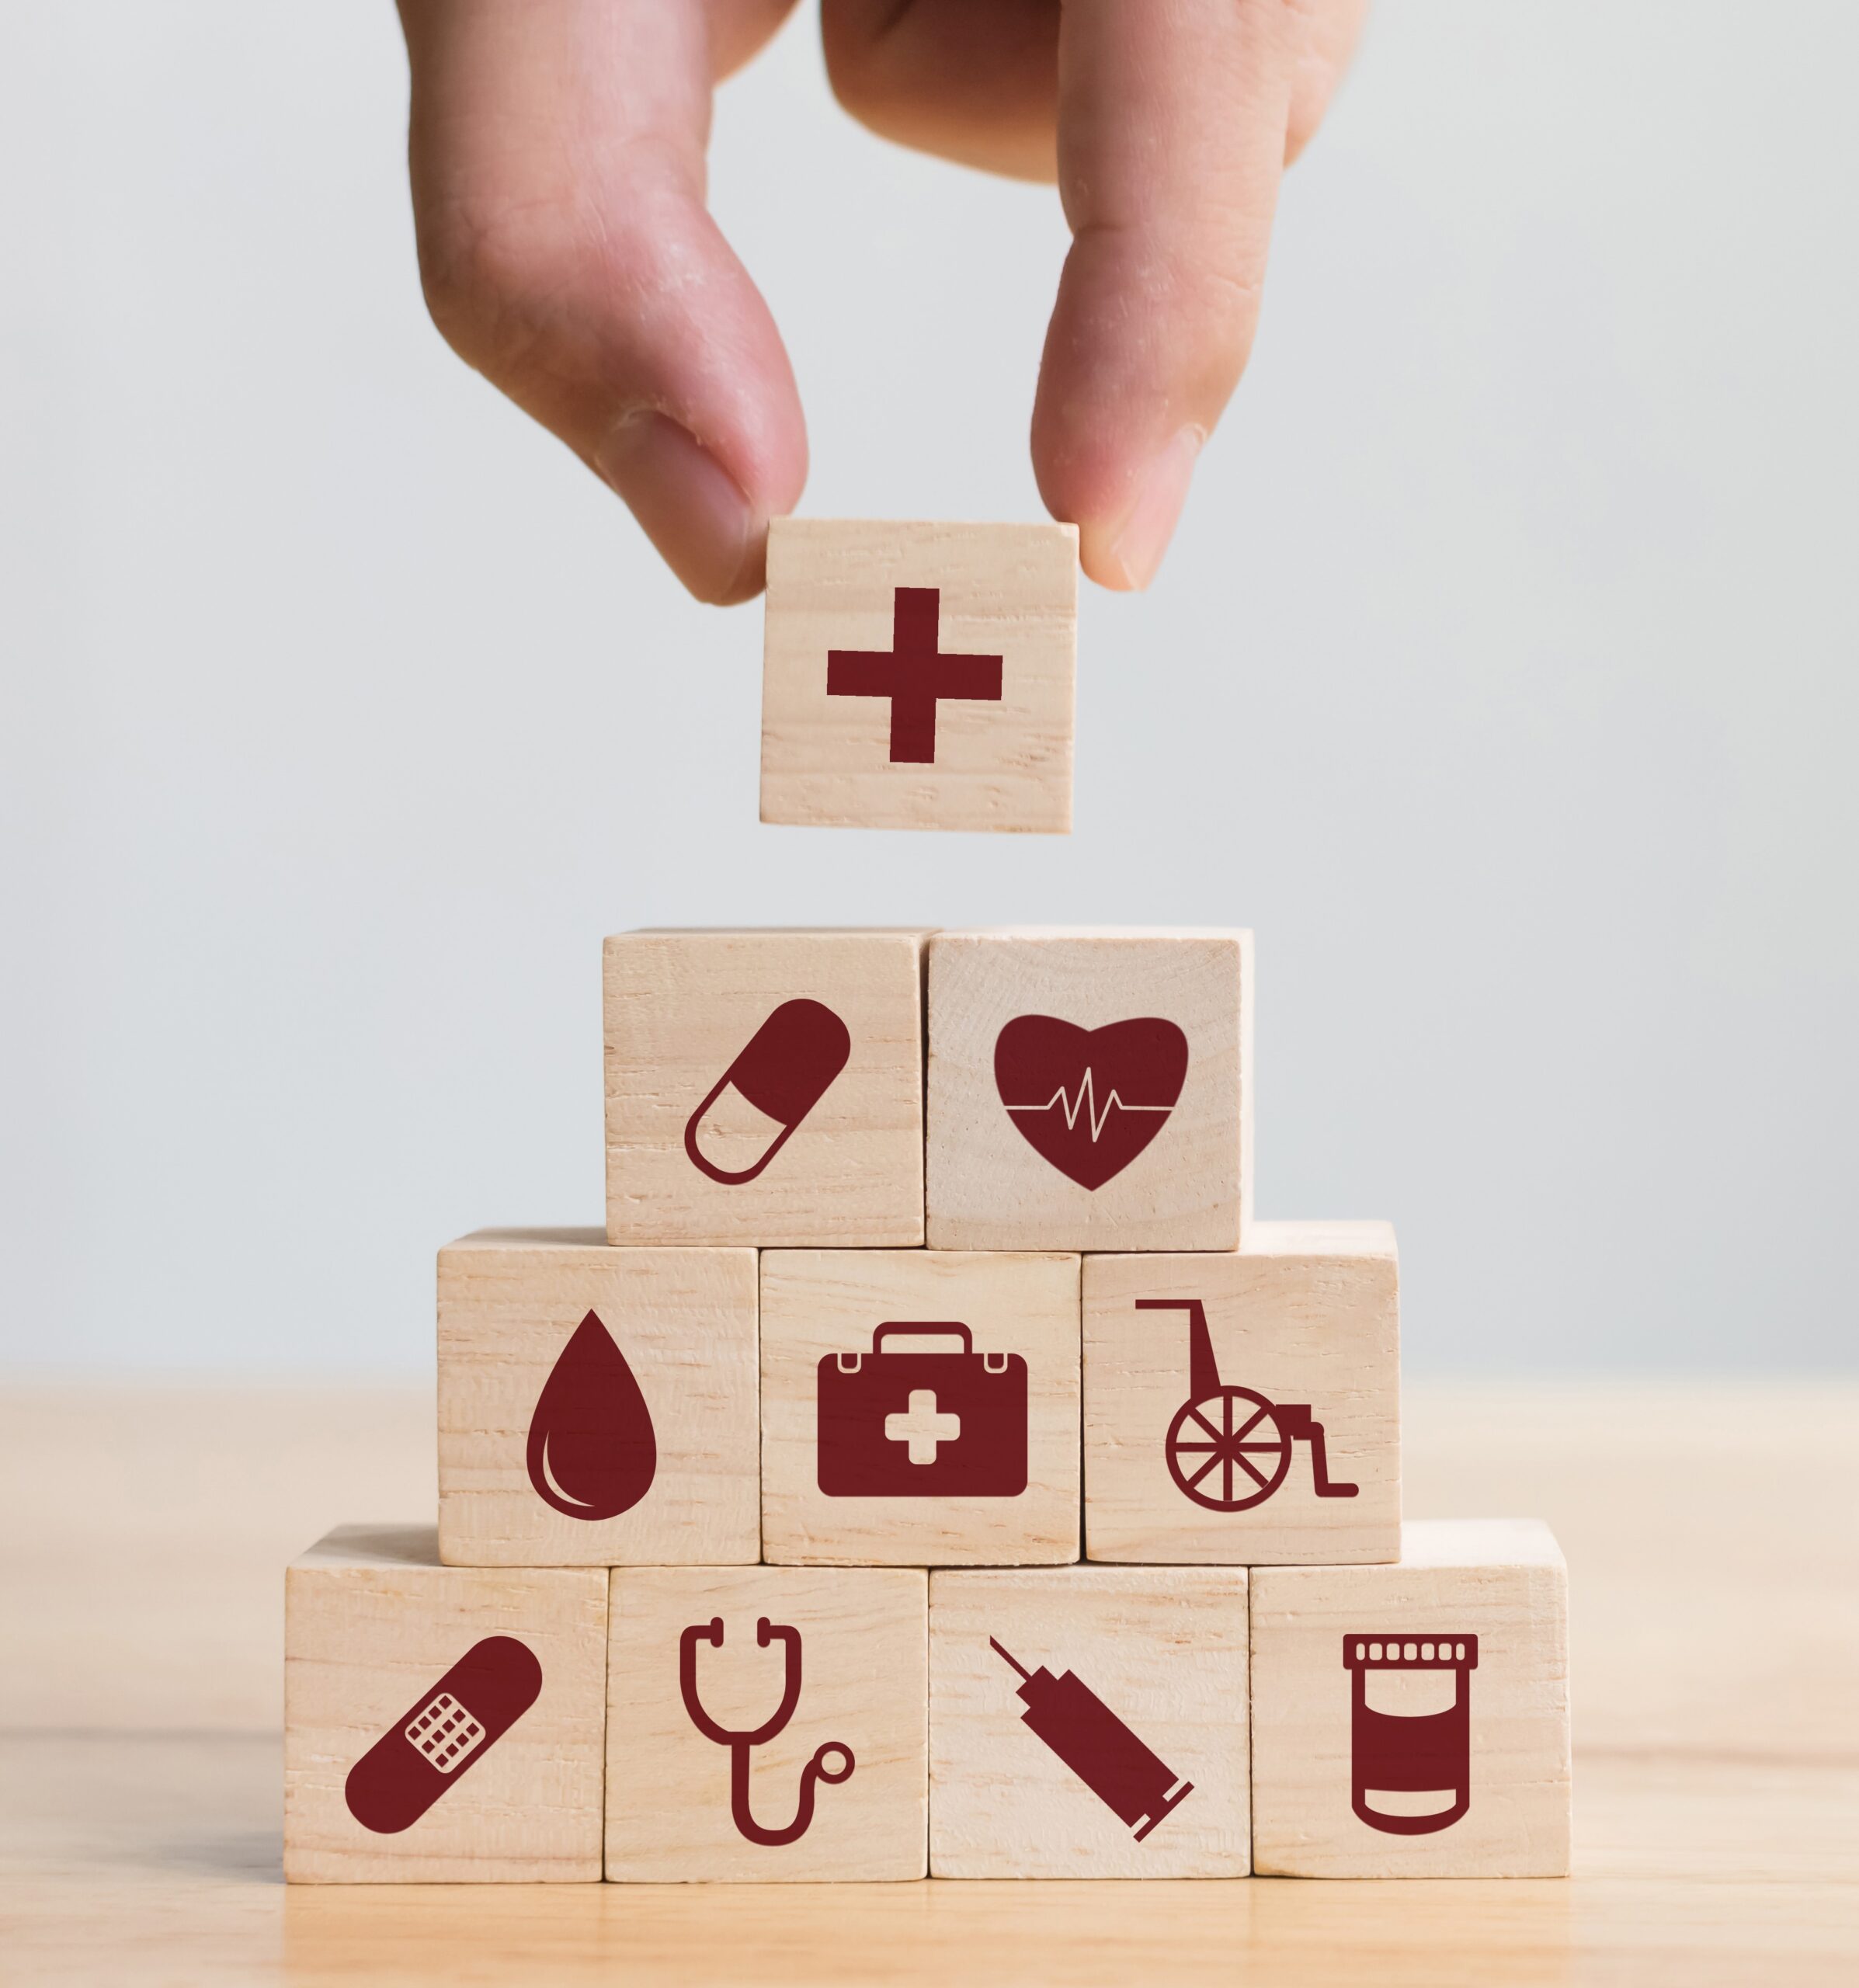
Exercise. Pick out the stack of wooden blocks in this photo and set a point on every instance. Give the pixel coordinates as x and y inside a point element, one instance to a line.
<point>933,1469</point>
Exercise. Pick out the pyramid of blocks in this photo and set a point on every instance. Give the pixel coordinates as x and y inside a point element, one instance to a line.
<point>932,1470</point>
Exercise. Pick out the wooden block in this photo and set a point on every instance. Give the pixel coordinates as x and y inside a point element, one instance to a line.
<point>1278,1441</point>
<point>1090,1090</point>
<point>919,675</point>
<point>442,1725</point>
<point>1412,1721</point>
<point>826,1668</point>
<point>1121,1751</point>
<point>597,1407</point>
<point>765,1087</point>
<point>919,1407</point>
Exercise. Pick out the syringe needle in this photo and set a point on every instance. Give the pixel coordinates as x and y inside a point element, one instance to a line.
<point>1018,1665</point>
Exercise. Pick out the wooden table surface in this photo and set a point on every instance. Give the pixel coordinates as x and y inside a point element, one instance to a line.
<point>1713,1542</point>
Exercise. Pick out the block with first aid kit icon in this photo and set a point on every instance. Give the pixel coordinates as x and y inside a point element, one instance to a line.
<point>1089,1722</point>
<point>442,1725</point>
<point>919,1407</point>
<point>765,1088</point>
<point>767,1724</point>
<point>1243,1407</point>
<point>919,675</point>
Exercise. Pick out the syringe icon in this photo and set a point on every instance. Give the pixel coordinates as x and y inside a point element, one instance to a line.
<point>1098,1747</point>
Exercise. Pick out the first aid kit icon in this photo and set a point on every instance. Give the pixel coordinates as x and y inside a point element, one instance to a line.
<point>940,1424</point>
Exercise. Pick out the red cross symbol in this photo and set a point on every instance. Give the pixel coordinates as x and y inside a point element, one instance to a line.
<point>922,1429</point>
<point>913,673</point>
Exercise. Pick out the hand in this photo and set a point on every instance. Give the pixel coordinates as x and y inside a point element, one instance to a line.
<point>556,151</point>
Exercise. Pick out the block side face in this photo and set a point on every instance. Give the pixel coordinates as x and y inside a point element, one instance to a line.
<point>999,762</point>
<point>1483,1744</point>
<point>1125,1753</point>
<point>1128,1051</point>
<point>862,1637</point>
<point>791,1062</point>
<point>635,1438</point>
<point>1305,1358</point>
<point>857,1411</point>
<point>371,1652</point>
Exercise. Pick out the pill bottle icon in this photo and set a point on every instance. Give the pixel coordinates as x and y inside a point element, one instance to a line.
<point>1410,1730</point>
<point>443,1734</point>
<point>782,1073</point>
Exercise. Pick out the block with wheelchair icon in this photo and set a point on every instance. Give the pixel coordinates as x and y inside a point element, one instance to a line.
<point>764,1088</point>
<point>1243,1407</point>
<point>920,1407</point>
<point>767,1724</point>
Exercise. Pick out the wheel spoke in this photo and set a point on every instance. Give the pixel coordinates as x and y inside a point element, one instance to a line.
<point>1216,1434</point>
<point>1253,1471</point>
<point>1253,1421</point>
<point>1203,1471</point>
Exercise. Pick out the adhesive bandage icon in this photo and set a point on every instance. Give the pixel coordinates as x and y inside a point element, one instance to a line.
<point>1421,1758</point>
<point>448,1730</point>
<point>1088,1101</point>
<point>782,1072</point>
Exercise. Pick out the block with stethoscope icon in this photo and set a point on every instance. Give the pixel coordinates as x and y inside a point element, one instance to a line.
<point>1411,1719</point>
<point>764,1088</point>
<point>767,1723</point>
<point>1244,1406</point>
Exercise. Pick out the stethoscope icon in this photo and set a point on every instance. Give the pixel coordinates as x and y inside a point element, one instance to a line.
<point>741,1744</point>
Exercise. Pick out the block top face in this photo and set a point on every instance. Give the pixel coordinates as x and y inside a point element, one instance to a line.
<point>765,1088</point>
<point>919,675</point>
<point>1088,1090</point>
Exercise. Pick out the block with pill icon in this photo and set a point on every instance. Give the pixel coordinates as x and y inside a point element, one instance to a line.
<point>1089,1722</point>
<point>442,1725</point>
<point>919,675</point>
<point>767,1725</point>
<point>1411,1720</point>
<point>765,1088</point>
<point>920,1407</point>
<point>1243,1406</point>
<point>1090,1089</point>
<point>597,1406</point>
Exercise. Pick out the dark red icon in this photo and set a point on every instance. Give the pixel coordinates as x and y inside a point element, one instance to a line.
<point>1225,1429</point>
<point>1089,1100</point>
<point>592,1451</point>
<point>913,673</point>
<point>783,1071</point>
<point>1426,1752</point>
<point>742,1745</point>
<point>1098,1747</point>
<point>934,1424</point>
<point>444,1732</point>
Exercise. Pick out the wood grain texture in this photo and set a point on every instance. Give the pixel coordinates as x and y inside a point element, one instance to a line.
<point>1307,1314</point>
<point>372,1623</point>
<point>1164,1649</point>
<point>680,1007</point>
<point>1009,591</point>
<point>864,1685</point>
<point>1504,1582</point>
<point>820,1304</point>
<point>1188,1189</point>
<point>684,1320</point>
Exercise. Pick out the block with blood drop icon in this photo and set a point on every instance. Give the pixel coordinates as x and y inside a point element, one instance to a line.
<point>596,1406</point>
<point>764,1088</point>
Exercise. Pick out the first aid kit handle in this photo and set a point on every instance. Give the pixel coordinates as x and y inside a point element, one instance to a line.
<point>935,1329</point>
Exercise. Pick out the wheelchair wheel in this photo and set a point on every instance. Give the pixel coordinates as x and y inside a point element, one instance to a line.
<point>1227,1450</point>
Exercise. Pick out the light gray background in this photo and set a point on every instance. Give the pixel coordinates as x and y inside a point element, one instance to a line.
<point>1502,677</point>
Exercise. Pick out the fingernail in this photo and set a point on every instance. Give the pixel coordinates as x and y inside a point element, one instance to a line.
<point>690,506</point>
<point>1134,553</point>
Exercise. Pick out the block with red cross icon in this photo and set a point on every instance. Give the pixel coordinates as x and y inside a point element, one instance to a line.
<point>919,675</point>
<point>919,1408</point>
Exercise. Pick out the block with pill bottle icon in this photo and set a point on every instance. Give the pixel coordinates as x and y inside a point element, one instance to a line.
<point>1411,1719</point>
<point>1089,1722</point>
<point>442,1725</point>
<point>764,1088</point>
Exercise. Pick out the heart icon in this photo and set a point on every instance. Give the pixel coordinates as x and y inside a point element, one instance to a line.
<point>1089,1100</point>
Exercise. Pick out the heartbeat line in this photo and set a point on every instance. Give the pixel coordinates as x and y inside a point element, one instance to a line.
<point>1085,1104</point>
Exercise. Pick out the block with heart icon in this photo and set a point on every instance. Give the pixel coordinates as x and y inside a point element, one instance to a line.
<point>1090,1089</point>
<point>920,1407</point>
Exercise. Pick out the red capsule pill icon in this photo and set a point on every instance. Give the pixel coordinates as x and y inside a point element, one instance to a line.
<point>444,1733</point>
<point>783,1071</point>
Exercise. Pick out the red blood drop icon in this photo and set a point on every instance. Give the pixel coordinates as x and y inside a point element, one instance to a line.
<point>591,1453</point>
